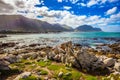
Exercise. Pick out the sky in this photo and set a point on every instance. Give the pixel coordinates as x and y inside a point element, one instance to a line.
<point>104,14</point>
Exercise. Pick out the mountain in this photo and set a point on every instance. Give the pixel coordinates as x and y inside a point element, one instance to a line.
<point>87,28</point>
<point>19,23</point>
<point>68,27</point>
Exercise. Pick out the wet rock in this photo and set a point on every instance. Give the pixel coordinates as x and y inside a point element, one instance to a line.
<point>3,35</point>
<point>10,44</point>
<point>33,45</point>
<point>109,62</point>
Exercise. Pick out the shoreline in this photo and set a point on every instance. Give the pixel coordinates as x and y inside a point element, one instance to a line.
<point>75,55</point>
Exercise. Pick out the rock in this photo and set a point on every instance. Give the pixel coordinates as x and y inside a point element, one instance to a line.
<point>60,74</point>
<point>11,58</point>
<point>34,55</point>
<point>10,44</point>
<point>116,73</point>
<point>57,57</point>
<point>87,60</point>
<point>51,55</point>
<point>68,74</point>
<point>109,62</point>
<point>26,55</point>
<point>56,50</point>
<point>66,44</point>
<point>33,45</point>
<point>3,35</point>
<point>117,67</point>
<point>23,75</point>
<point>4,65</point>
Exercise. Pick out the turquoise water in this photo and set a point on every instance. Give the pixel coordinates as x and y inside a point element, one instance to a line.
<point>83,35</point>
<point>84,38</point>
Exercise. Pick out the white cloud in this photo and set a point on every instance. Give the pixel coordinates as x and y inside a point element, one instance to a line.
<point>103,1</point>
<point>67,7</point>
<point>73,1</point>
<point>59,0</point>
<point>59,16</point>
<point>91,3</point>
<point>111,1</point>
<point>82,4</point>
<point>111,11</point>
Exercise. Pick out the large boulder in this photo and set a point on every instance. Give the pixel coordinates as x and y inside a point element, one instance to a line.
<point>88,61</point>
<point>109,62</point>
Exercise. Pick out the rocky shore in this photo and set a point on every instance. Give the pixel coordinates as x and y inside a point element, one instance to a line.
<point>18,62</point>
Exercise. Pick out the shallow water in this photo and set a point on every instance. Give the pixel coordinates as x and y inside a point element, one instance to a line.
<point>84,38</point>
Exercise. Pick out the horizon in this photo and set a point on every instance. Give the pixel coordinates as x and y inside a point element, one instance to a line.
<point>104,14</point>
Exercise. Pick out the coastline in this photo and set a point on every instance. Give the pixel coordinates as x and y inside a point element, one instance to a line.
<point>104,60</point>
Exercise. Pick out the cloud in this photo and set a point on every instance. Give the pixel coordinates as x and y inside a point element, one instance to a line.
<point>82,4</point>
<point>91,3</point>
<point>59,0</point>
<point>27,8</point>
<point>111,1</point>
<point>111,11</point>
<point>5,8</point>
<point>73,1</point>
<point>67,7</point>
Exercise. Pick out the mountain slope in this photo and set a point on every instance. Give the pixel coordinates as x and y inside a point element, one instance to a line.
<point>20,23</point>
<point>86,28</point>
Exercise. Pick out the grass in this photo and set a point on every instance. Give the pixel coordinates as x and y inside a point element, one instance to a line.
<point>67,74</point>
<point>29,78</point>
<point>43,72</point>
<point>90,78</point>
<point>44,63</point>
<point>55,67</point>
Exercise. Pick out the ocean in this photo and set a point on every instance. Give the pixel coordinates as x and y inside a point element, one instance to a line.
<point>83,38</point>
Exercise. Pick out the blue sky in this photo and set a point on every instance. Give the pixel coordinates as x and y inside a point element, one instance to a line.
<point>104,14</point>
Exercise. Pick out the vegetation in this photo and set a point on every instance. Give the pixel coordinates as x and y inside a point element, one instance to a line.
<point>90,78</point>
<point>29,78</point>
<point>43,72</point>
<point>44,63</point>
<point>53,69</point>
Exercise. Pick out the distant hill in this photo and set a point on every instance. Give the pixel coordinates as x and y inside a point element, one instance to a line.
<point>87,28</point>
<point>18,23</point>
<point>68,27</point>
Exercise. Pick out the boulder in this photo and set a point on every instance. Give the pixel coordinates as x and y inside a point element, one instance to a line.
<point>85,60</point>
<point>4,65</point>
<point>66,44</point>
<point>11,58</point>
<point>109,62</point>
<point>23,75</point>
<point>117,67</point>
